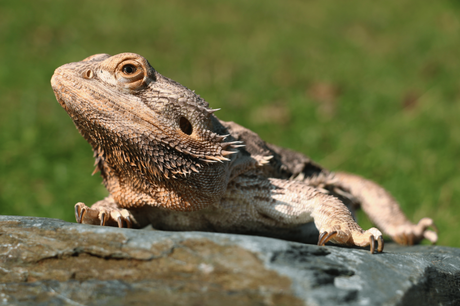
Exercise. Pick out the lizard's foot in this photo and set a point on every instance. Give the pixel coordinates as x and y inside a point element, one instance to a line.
<point>372,237</point>
<point>409,234</point>
<point>104,216</point>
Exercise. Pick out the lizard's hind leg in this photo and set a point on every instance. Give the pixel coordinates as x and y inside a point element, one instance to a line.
<point>384,211</point>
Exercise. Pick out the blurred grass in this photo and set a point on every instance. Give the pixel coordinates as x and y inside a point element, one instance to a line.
<point>368,88</point>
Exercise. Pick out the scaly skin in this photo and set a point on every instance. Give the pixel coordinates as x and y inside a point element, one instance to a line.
<point>167,160</point>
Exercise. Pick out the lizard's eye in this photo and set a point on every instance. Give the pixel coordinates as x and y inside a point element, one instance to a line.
<point>129,69</point>
<point>131,74</point>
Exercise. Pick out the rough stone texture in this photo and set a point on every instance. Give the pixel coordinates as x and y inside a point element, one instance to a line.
<point>52,262</point>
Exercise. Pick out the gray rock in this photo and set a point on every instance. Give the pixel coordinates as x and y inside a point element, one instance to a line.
<point>52,262</point>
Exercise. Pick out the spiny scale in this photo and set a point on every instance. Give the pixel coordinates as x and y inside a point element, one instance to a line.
<point>158,145</point>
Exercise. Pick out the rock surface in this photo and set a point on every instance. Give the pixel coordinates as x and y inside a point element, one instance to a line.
<point>52,262</point>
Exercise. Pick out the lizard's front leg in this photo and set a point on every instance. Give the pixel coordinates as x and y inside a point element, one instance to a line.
<point>292,203</point>
<point>107,213</point>
<point>384,211</point>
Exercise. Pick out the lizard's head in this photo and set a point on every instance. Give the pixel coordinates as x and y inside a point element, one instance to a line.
<point>138,120</point>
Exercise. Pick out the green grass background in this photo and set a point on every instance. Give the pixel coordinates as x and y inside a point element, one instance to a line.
<point>362,86</point>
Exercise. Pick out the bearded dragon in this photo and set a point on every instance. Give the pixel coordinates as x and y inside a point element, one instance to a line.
<point>168,161</point>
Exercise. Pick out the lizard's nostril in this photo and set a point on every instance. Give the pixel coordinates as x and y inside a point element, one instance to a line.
<point>185,126</point>
<point>88,74</point>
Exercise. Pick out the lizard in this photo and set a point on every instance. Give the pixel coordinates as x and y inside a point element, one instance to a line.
<point>168,161</point>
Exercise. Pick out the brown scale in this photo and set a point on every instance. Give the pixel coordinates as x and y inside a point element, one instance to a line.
<point>167,160</point>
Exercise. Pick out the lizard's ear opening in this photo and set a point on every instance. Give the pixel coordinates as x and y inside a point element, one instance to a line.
<point>185,126</point>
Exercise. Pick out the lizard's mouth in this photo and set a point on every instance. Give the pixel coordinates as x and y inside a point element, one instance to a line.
<point>64,94</point>
<point>61,101</point>
<point>56,85</point>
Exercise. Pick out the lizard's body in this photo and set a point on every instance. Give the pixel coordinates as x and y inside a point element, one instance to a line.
<point>167,160</point>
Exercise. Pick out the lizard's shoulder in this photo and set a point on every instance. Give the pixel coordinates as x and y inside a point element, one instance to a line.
<point>285,163</point>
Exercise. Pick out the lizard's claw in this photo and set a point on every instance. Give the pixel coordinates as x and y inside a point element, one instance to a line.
<point>102,216</point>
<point>324,237</point>
<point>372,237</point>
<point>409,234</point>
